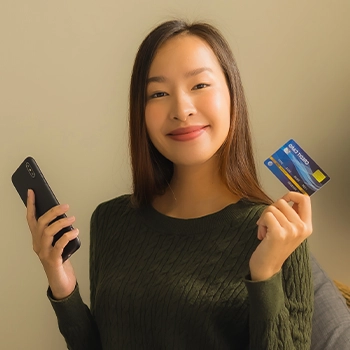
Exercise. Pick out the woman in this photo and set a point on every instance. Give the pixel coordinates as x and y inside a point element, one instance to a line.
<point>197,257</point>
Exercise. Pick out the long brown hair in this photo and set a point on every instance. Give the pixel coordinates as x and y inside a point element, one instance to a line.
<point>151,171</point>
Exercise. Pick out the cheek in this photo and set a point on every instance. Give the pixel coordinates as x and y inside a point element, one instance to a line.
<point>151,119</point>
<point>219,107</point>
<point>154,124</point>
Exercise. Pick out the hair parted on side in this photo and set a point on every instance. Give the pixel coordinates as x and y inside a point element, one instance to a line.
<point>151,171</point>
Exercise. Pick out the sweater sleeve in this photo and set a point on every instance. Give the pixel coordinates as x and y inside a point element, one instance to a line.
<point>75,320</point>
<point>280,310</point>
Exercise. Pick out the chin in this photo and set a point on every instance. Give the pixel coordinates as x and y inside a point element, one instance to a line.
<point>193,160</point>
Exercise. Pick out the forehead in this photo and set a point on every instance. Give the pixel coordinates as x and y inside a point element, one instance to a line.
<point>185,51</point>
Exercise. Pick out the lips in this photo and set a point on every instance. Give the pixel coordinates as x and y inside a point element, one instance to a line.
<point>188,133</point>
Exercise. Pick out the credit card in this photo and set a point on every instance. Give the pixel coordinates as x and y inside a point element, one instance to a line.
<point>296,169</point>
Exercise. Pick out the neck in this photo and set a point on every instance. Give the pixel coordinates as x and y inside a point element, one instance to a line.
<point>195,191</point>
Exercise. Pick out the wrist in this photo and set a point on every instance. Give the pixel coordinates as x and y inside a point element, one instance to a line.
<point>58,295</point>
<point>263,274</point>
<point>62,280</point>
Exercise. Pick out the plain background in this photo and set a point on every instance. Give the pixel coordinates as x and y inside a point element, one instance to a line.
<point>64,78</point>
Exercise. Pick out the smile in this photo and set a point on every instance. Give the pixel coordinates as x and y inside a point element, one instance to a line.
<point>187,134</point>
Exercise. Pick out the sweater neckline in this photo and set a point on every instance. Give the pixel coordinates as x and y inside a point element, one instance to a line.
<point>170,225</point>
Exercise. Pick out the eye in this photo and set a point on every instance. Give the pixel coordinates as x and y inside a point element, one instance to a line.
<point>158,94</point>
<point>200,86</point>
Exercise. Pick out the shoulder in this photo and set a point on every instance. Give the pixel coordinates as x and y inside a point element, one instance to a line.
<point>249,211</point>
<point>112,208</point>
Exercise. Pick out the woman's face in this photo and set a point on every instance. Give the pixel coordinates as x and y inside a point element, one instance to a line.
<point>188,101</point>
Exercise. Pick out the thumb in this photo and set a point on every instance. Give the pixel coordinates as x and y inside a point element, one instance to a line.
<point>31,212</point>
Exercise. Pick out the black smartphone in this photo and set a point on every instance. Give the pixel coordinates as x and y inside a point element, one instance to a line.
<point>29,176</point>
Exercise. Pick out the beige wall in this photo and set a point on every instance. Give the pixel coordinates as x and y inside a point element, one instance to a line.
<point>64,74</point>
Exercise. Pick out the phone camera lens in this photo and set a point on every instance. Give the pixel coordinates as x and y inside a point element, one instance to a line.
<point>30,170</point>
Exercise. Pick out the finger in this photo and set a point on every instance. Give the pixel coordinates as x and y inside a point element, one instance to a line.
<point>283,206</point>
<point>272,216</point>
<point>302,205</point>
<point>52,214</point>
<point>31,218</point>
<point>262,230</point>
<point>59,246</point>
<point>272,223</point>
<point>59,225</point>
<point>54,228</point>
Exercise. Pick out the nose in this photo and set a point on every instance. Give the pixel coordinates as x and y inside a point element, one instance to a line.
<point>183,107</point>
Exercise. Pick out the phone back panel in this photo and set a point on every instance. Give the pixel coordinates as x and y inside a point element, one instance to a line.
<point>29,176</point>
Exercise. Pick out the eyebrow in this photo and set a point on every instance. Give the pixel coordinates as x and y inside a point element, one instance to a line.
<point>162,79</point>
<point>197,71</point>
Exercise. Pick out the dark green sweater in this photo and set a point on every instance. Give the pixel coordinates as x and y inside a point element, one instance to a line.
<point>164,283</point>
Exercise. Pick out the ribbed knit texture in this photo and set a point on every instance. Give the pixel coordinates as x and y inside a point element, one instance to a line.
<point>164,283</point>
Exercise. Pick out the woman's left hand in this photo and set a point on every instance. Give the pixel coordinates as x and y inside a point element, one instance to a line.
<point>281,229</point>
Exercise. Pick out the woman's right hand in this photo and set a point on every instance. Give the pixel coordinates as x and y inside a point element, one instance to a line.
<point>60,275</point>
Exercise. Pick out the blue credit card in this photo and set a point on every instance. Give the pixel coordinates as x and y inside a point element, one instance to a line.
<point>296,169</point>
